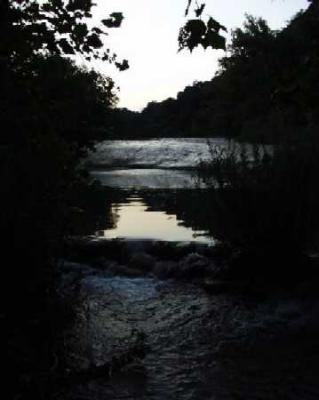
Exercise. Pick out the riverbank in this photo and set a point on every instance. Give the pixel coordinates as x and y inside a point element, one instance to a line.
<point>217,268</point>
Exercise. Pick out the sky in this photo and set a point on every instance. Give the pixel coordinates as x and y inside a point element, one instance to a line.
<point>148,39</point>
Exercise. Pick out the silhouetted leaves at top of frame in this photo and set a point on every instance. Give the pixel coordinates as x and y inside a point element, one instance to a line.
<point>55,27</point>
<point>196,32</point>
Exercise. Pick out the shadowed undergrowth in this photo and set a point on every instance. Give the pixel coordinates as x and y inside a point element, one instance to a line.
<point>266,202</point>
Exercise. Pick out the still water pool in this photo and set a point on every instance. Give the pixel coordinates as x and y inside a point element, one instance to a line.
<point>135,220</point>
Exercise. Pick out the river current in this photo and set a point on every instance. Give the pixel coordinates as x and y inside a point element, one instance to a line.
<point>197,346</point>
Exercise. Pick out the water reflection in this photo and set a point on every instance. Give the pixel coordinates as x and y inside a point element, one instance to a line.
<point>140,218</point>
<point>173,202</point>
<point>160,204</point>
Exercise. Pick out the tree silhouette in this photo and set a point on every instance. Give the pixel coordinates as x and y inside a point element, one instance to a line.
<point>56,27</point>
<point>197,32</point>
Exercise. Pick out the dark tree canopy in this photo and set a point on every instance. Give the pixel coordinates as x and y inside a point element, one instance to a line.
<point>56,27</point>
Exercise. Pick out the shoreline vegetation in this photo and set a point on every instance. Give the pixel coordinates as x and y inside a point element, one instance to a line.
<point>53,112</point>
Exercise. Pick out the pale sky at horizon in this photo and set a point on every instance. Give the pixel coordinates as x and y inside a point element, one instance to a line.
<point>148,39</point>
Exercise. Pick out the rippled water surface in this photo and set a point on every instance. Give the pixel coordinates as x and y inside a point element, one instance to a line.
<point>156,153</point>
<point>196,346</point>
<point>151,178</point>
<point>171,319</point>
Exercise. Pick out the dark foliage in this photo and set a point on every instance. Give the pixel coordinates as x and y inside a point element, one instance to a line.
<point>51,112</point>
<point>266,199</point>
<point>266,88</point>
<point>55,27</point>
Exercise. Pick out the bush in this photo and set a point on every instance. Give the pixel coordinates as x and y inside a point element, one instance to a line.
<point>265,198</point>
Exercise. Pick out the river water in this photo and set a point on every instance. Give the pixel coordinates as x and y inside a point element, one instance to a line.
<point>159,193</point>
<point>156,153</point>
<point>197,346</point>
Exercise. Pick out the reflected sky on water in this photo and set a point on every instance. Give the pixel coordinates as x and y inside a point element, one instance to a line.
<point>135,220</point>
<point>172,202</point>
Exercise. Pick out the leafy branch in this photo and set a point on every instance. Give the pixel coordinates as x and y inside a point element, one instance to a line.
<point>59,27</point>
<point>198,32</point>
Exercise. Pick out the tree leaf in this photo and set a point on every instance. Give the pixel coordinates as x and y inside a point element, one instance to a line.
<point>80,30</point>
<point>94,41</point>
<point>83,5</point>
<point>65,46</point>
<point>123,65</point>
<point>214,40</point>
<point>192,34</point>
<point>115,21</point>
<point>215,25</point>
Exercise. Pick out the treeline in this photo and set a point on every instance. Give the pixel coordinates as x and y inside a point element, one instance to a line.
<point>266,88</point>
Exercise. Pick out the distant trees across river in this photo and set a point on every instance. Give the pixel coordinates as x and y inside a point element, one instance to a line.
<point>265,89</point>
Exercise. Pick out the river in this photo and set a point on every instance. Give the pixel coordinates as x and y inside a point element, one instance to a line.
<point>157,186</point>
<point>197,345</point>
<point>159,194</point>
